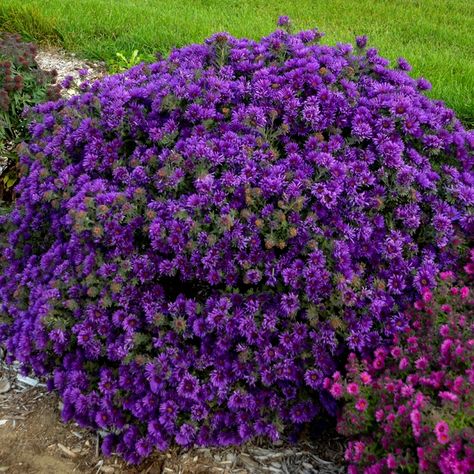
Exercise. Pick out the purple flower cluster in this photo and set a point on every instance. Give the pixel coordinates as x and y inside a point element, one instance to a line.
<point>198,240</point>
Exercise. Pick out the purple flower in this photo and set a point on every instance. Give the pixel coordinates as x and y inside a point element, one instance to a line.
<point>283,20</point>
<point>188,387</point>
<point>361,41</point>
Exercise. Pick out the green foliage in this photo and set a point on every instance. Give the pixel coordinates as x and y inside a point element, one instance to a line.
<point>122,62</point>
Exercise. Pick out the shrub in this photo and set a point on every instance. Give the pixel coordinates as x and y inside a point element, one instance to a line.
<point>22,84</point>
<point>199,240</point>
<point>411,408</point>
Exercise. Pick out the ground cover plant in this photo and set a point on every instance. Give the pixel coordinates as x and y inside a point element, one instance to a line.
<point>22,84</point>
<point>411,407</point>
<point>435,36</point>
<point>199,241</point>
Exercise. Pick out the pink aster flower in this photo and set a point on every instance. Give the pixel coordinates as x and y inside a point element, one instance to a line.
<point>446,346</point>
<point>419,305</point>
<point>442,432</point>
<point>407,391</point>
<point>415,416</point>
<point>404,363</point>
<point>449,396</point>
<point>353,389</point>
<point>446,275</point>
<point>444,330</point>
<point>361,404</point>
<point>464,292</point>
<point>336,390</point>
<point>469,268</point>
<point>426,295</point>
<point>366,378</point>
<point>378,363</point>
<point>391,462</point>
<point>396,352</point>
<point>421,363</point>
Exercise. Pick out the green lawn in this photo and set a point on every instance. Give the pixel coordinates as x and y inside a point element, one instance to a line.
<point>436,36</point>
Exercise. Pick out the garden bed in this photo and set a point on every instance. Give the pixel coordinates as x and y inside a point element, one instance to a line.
<point>33,439</point>
<point>197,244</point>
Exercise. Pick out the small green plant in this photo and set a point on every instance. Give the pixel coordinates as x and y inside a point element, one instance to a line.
<point>122,62</point>
<point>22,84</point>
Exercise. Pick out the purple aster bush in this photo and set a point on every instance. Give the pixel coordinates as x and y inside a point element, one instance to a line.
<point>198,242</point>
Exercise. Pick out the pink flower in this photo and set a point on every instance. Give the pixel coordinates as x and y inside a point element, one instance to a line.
<point>353,389</point>
<point>444,330</point>
<point>423,465</point>
<point>449,396</point>
<point>421,363</point>
<point>419,305</point>
<point>361,404</point>
<point>415,417</point>
<point>442,432</point>
<point>458,384</point>
<point>336,376</point>
<point>336,390</point>
<point>427,296</point>
<point>446,346</point>
<point>446,308</point>
<point>407,391</point>
<point>469,268</point>
<point>446,275</point>
<point>366,378</point>
<point>379,415</point>
<point>359,447</point>
<point>378,363</point>
<point>470,373</point>
<point>396,352</point>
<point>412,379</point>
<point>401,410</point>
<point>380,352</point>
<point>464,292</point>
<point>404,363</point>
<point>391,462</point>
<point>419,400</point>
<point>454,291</point>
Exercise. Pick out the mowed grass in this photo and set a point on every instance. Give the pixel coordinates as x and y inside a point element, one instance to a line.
<point>436,36</point>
